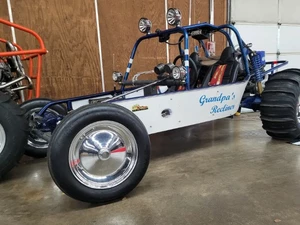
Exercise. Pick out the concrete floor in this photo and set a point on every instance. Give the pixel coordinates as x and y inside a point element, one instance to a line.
<point>224,172</point>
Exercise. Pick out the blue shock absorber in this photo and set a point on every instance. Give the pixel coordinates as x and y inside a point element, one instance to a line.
<point>258,62</point>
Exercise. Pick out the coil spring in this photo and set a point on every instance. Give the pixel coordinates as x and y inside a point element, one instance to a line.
<point>257,65</point>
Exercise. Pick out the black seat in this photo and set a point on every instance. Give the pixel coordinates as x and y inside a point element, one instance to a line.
<point>230,72</point>
<point>196,58</point>
<point>196,76</point>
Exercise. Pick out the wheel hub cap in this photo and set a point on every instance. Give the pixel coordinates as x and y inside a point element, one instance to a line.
<point>103,154</point>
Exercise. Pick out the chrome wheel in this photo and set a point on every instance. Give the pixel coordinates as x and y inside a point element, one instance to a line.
<point>103,154</point>
<point>33,140</point>
<point>2,138</point>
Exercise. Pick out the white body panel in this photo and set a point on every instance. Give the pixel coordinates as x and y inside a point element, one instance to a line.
<point>187,107</point>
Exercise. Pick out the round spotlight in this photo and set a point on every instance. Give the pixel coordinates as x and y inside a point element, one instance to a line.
<point>178,72</point>
<point>145,25</point>
<point>117,76</point>
<point>174,17</point>
<point>159,69</point>
<point>168,67</point>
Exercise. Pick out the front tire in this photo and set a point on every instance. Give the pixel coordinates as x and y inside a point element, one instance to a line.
<point>280,103</point>
<point>99,153</point>
<point>13,134</point>
<point>37,147</point>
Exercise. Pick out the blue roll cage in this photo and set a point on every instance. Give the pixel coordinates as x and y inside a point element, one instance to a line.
<point>186,32</point>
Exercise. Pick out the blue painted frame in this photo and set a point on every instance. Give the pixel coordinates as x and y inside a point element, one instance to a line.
<point>185,31</point>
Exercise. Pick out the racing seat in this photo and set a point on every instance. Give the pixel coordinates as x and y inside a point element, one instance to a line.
<point>194,75</point>
<point>196,58</point>
<point>224,71</point>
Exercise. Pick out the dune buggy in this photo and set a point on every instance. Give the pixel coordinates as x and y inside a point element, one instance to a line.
<point>100,151</point>
<point>20,78</point>
<point>16,87</point>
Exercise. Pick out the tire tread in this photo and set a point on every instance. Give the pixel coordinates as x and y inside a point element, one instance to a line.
<point>279,105</point>
<point>13,120</point>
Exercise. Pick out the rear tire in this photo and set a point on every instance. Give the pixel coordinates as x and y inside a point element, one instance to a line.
<point>81,155</point>
<point>35,146</point>
<point>13,134</point>
<point>280,105</point>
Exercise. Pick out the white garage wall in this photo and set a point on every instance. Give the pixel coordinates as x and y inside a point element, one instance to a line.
<point>289,46</point>
<point>288,11</point>
<point>263,36</point>
<point>254,11</point>
<point>271,25</point>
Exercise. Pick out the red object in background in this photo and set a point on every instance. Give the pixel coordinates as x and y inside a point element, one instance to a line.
<point>29,55</point>
<point>211,48</point>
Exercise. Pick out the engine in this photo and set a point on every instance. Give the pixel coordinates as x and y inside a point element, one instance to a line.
<point>5,73</point>
<point>6,76</point>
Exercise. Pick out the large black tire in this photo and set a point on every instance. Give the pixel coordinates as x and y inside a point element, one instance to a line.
<point>62,167</point>
<point>35,146</point>
<point>13,134</point>
<point>280,105</point>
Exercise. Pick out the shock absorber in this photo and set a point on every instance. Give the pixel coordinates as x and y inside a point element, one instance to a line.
<point>258,61</point>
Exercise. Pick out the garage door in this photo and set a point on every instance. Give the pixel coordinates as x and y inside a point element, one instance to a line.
<point>271,25</point>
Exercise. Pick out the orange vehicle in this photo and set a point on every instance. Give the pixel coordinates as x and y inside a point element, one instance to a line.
<point>20,80</point>
<point>21,69</point>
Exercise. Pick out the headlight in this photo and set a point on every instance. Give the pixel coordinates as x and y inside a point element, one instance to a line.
<point>169,67</point>
<point>145,25</point>
<point>173,16</point>
<point>117,76</point>
<point>178,72</point>
<point>159,69</point>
